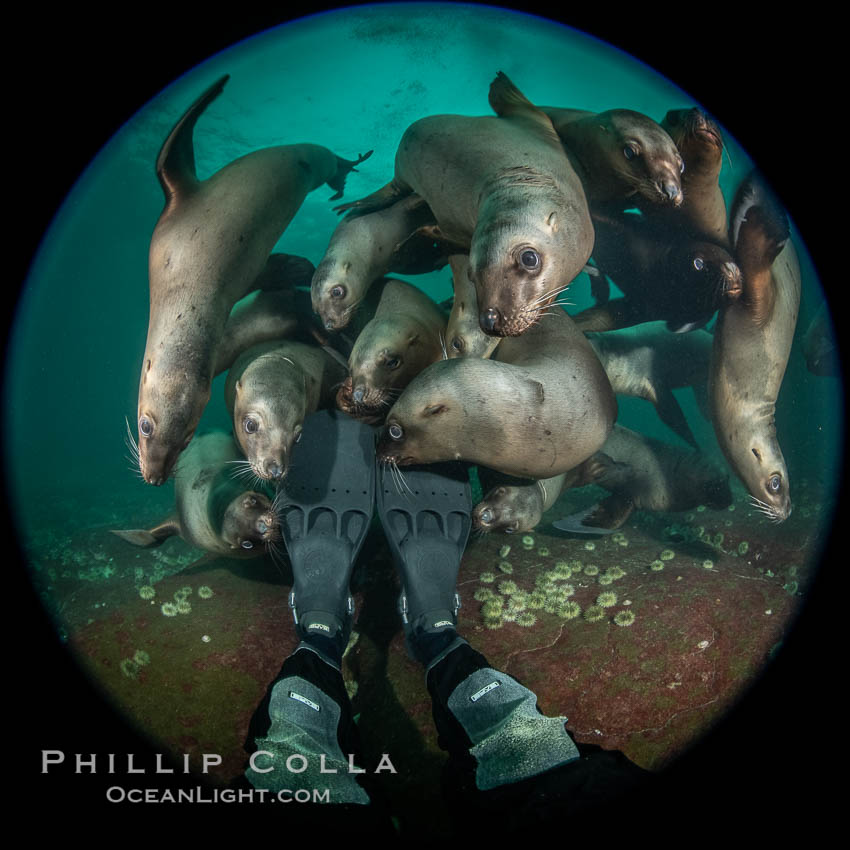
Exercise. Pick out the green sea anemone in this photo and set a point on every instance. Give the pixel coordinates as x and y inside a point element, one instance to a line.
<point>624,618</point>
<point>543,551</point>
<point>562,570</point>
<point>492,607</point>
<point>183,607</point>
<point>594,613</point>
<point>615,572</point>
<point>505,567</point>
<point>536,599</point>
<point>130,668</point>
<point>205,592</point>
<point>591,570</point>
<point>569,610</point>
<point>487,578</point>
<point>590,545</point>
<point>504,551</point>
<point>708,564</point>
<point>141,657</point>
<point>656,565</point>
<point>493,622</point>
<point>606,579</point>
<point>700,508</point>
<point>528,541</point>
<point>146,591</point>
<point>606,599</point>
<point>526,619</point>
<point>667,555</point>
<point>507,587</point>
<point>169,609</point>
<point>718,539</point>
<point>484,593</point>
<point>743,547</point>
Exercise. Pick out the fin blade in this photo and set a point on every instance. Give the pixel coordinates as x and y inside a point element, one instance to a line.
<point>148,538</point>
<point>603,518</point>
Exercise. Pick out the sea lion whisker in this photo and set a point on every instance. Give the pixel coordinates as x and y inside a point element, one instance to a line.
<point>552,293</point>
<point>443,346</point>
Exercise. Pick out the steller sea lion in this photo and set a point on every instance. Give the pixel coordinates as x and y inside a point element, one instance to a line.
<point>269,391</point>
<point>367,247</point>
<point>540,406</point>
<point>213,510</point>
<point>464,337</point>
<point>752,341</point>
<point>209,246</point>
<point>620,155</point>
<point>504,187</point>
<point>649,362</point>
<point>406,334</point>
<point>648,475</point>
<point>682,281</point>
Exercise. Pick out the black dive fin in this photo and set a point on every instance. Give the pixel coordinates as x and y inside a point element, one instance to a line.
<point>603,518</point>
<point>149,537</point>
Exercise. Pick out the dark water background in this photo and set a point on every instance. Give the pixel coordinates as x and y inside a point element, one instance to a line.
<point>80,329</point>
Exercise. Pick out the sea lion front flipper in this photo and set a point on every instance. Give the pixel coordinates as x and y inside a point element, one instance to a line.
<point>175,163</point>
<point>343,167</point>
<point>149,537</point>
<point>672,415</point>
<point>431,233</point>
<point>603,518</point>
<point>384,197</point>
<point>508,101</point>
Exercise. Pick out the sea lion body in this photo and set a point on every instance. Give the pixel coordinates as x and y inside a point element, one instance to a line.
<point>363,249</point>
<point>620,154</point>
<point>208,248</point>
<point>406,334</point>
<point>539,407</point>
<point>752,342</point>
<point>269,391</point>
<point>213,510</point>
<point>649,362</point>
<point>503,187</point>
<point>464,337</point>
<point>680,280</point>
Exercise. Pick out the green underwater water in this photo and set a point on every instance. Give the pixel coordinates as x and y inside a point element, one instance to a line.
<point>79,333</point>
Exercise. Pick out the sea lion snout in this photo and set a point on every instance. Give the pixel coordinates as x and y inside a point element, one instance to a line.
<point>673,191</point>
<point>490,319</point>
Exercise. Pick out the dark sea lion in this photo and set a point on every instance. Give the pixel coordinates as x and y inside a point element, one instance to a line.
<point>703,210</point>
<point>649,362</point>
<point>752,341</point>
<point>269,392</point>
<point>406,334</point>
<point>209,246</point>
<point>620,154</point>
<point>682,281</point>
<point>464,337</point>
<point>819,345</point>
<point>213,510</point>
<point>367,247</point>
<point>647,475</point>
<point>540,406</point>
<point>502,186</point>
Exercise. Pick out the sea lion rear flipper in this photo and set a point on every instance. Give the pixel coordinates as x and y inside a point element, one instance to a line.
<point>507,100</point>
<point>603,518</point>
<point>672,416</point>
<point>343,167</point>
<point>384,197</point>
<point>175,164</point>
<point>149,537</point>
<point>603,470</point>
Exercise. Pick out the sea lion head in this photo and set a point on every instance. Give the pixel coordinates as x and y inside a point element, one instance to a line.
<point>642,155</point>
<point>761,466</point>
<point>520,261</point>
<point>697,137</point>
<point>420,425</point>
<point>334,292</point>
<point>171,401</point>
<point>702,277</point>
<point>388,354</point>
<point>508,509</point>
<point>464,337</point>
<point>250,522</point>
<point>268,417</point>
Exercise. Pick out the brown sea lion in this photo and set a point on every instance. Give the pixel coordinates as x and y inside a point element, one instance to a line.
<point>540,406</point>
<point>620,154</point>
<point>649,362</point>
<point>406,334</point>
<point>269,391</point>
<point>464,337</point>
<point>213,510</point>
<point>702,213</point>
<point>504,187</point>
<point>367,247</point>
<point>680,280</point>
<point>648,475</point>
<point>209,246</point>
<point>752,341</point>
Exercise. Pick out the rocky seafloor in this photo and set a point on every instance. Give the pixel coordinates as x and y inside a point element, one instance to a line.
<point>643,639</point>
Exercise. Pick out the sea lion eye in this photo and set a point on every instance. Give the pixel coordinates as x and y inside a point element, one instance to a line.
<point>699,264</point>
<point>392,363</point>
<point>457,344</point>
<point>395,431</point>
<point>774,483</point>
<point>338,292</point>
<point>530,259</point>
<point>681,166</point>
<point>247,544</point>
<point>629,152</point>
<point>145,426</point>
<point>250,425</point>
